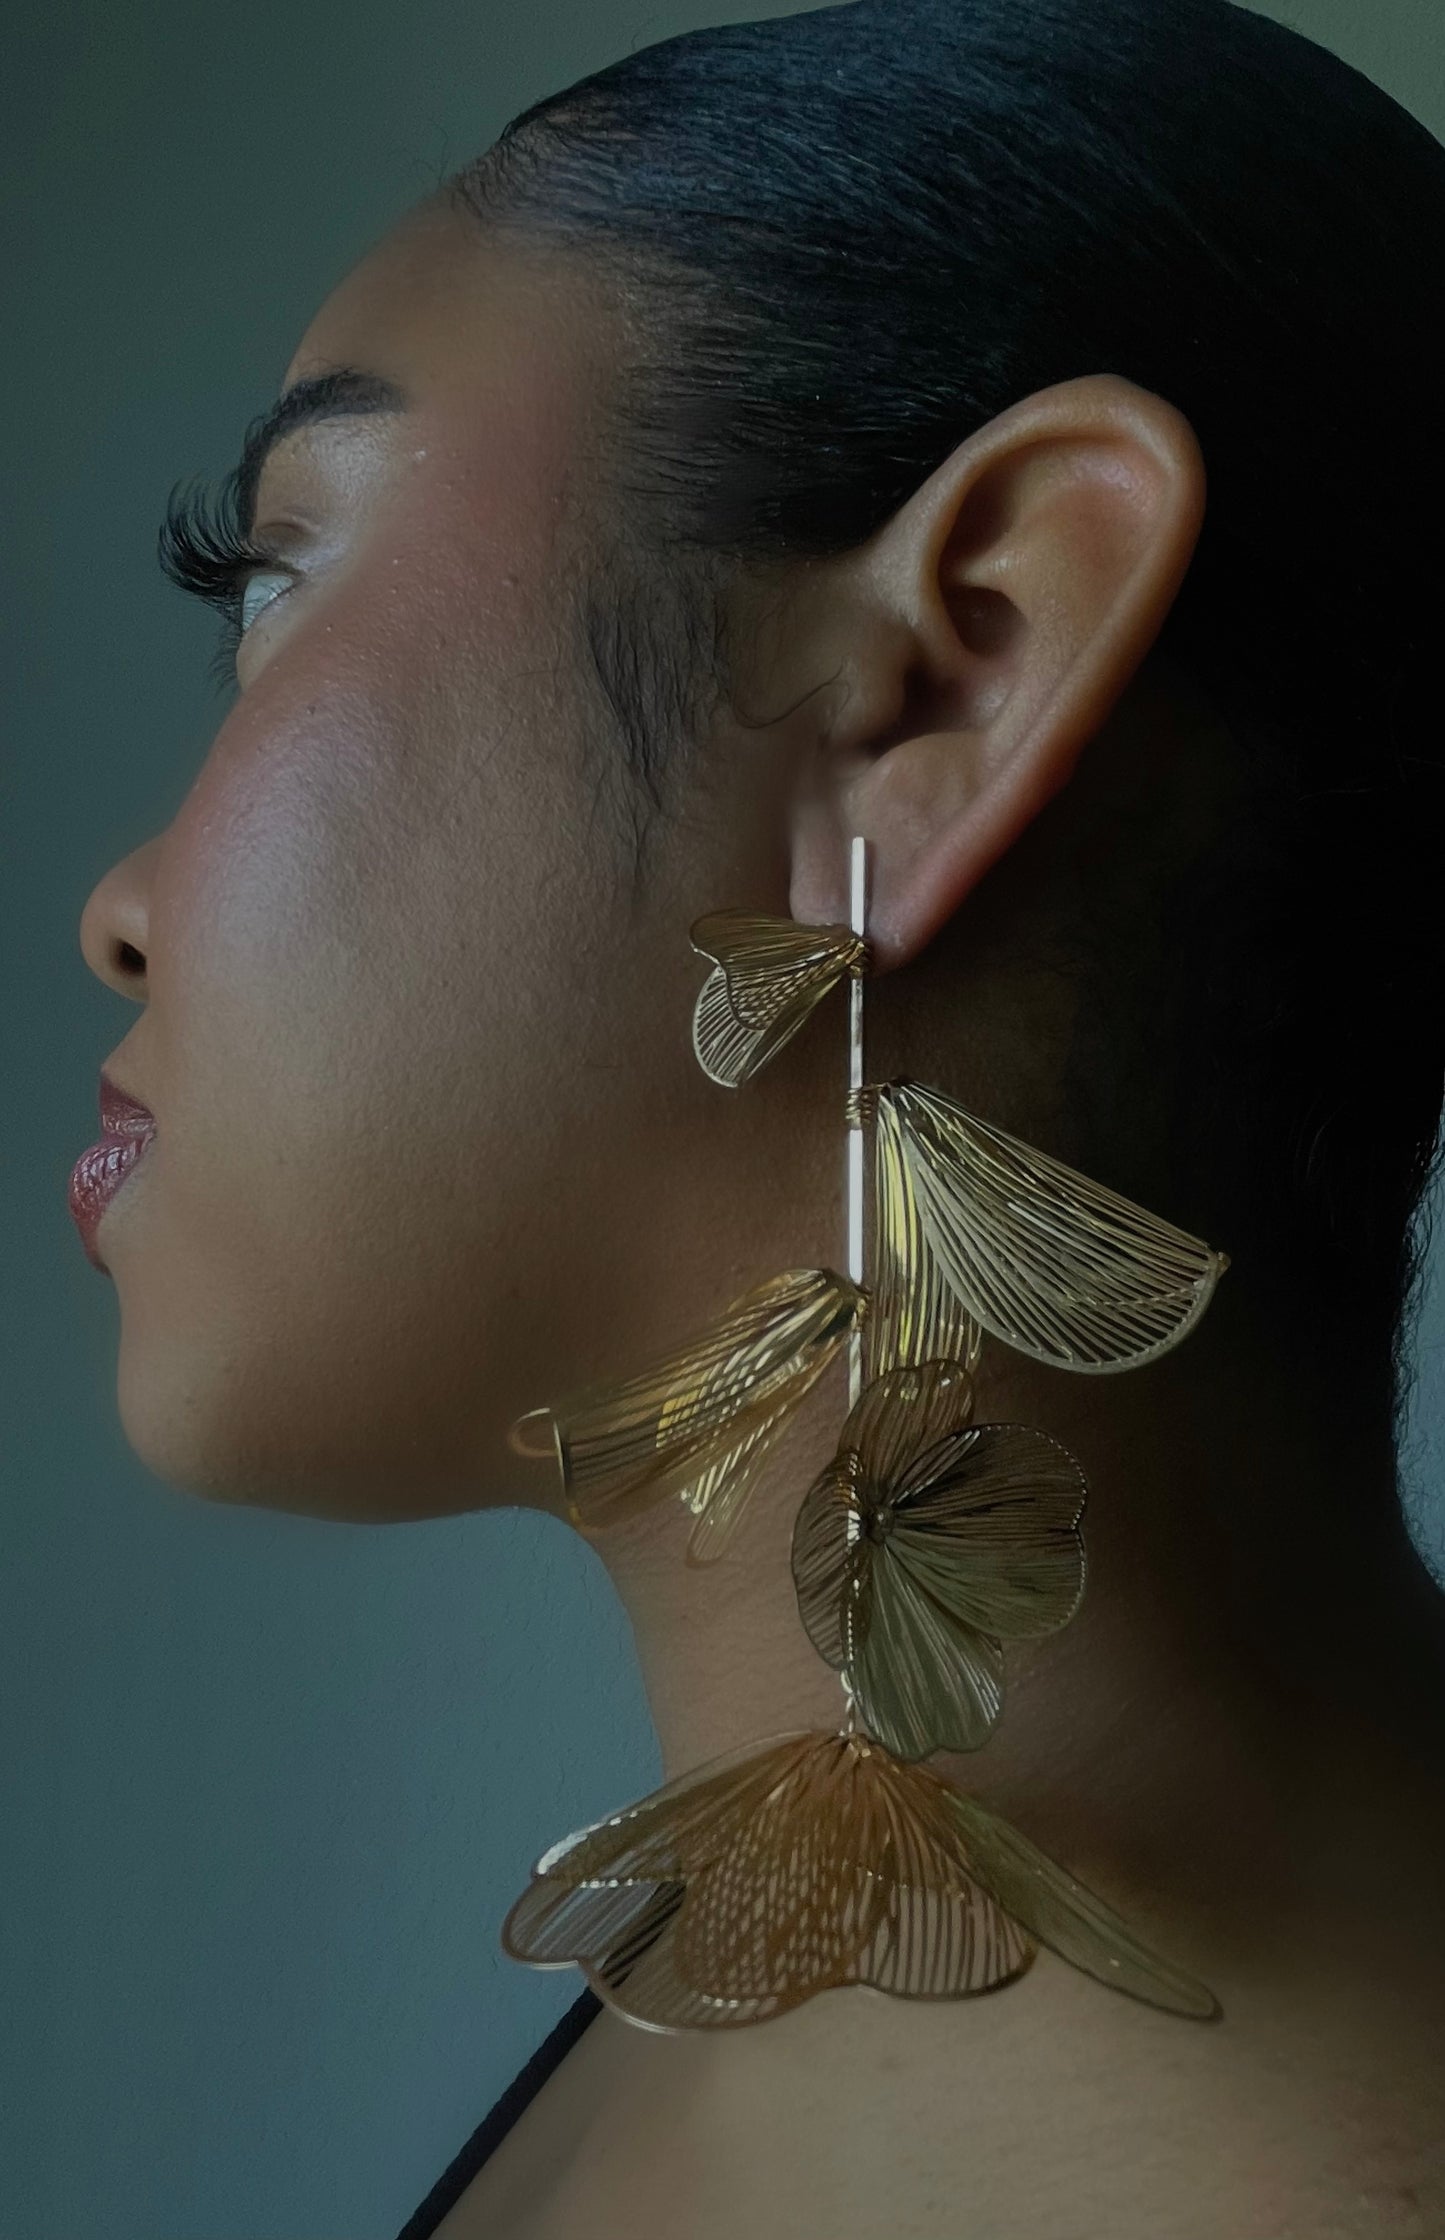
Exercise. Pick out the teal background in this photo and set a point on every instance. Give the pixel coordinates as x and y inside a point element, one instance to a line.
<point>269,1784</point>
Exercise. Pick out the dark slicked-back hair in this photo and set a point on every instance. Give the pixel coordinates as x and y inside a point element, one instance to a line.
<point>849,238</point>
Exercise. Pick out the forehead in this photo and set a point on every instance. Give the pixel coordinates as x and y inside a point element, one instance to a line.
<point>459,315</point>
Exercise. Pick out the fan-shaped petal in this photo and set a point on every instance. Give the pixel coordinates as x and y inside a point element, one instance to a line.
<point>698,1421</point>
<point>1055,1265</point>
<point>768,973</point>
<point>814,1861</point>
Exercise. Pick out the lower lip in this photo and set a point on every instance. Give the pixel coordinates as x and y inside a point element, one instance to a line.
<point>94,1180</point>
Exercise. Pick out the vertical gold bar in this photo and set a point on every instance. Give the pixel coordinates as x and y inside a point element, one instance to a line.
<point>858,920</point>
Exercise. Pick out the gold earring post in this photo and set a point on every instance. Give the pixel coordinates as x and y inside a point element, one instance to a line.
<point>858,920</point>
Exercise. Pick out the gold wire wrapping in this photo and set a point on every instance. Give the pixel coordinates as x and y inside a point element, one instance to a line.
<point>699,1421</point>
<point>925,1544</point>
<point>1053,1264</point>
<point>807,1863</point>
<point>767,975</point>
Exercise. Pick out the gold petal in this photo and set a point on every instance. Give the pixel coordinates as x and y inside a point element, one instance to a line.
<point>944,1936</point>
<point>805,1863</point>
<point>679,1829</point>
<point>1068,1919</point>
<point>832,1564</point>
<point>718,1498</point>
<point>901,1420</point>
<point>768,975</point>
<point>789,1905</point>
<point>1054,1264</point>
<point>925,1543</point>
<point>649,1990</point>
<point>923,1681</point>
<point>914,1314</point>
<point>691,1420</point>
<point>554,1922</point>
<point>992,1537</point>
<point>622,1936</point>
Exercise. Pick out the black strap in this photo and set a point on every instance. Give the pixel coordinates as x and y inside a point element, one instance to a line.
<point>498,2120</point>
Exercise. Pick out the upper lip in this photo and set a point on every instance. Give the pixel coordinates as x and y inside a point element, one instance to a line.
<point>121,1114</point>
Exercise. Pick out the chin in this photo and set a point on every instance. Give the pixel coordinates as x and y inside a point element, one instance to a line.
<point>252,1435</point>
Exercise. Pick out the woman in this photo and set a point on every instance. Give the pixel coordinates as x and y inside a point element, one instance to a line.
<point>1003,430</point>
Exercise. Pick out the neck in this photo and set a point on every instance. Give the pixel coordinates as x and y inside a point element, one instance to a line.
<point>1254,1611</point>
<point>1236,1742</point>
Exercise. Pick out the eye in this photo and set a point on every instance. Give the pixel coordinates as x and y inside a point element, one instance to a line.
<point>201,548</point>
<point>257,592</point>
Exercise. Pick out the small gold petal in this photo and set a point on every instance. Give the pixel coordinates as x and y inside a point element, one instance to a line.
<point>768,975</point>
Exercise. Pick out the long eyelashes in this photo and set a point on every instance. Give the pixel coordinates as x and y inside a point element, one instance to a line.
<point>203,550</point>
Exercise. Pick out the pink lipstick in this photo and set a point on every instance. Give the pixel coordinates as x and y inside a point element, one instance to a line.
<point>99,1172</point>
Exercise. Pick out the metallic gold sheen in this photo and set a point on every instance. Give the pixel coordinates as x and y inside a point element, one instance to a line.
<point>914,1313</point>
<point>768,973</point>
<point>808,1863</point>
<point>698,1421</point>
<point>924,1545</point>
<point>1055,1265</point>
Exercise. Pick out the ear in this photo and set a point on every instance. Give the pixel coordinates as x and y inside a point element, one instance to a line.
<point>981,639</point>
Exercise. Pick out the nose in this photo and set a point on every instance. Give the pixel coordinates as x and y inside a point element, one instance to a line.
<point>115,923</point>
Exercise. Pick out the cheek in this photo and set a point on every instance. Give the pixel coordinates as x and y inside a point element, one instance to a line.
<point>379,972</point>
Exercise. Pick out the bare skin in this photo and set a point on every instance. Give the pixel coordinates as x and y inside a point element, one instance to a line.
<point>395,925</point>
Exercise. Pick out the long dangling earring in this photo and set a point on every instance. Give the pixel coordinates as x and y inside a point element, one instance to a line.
<point>817,1860</point>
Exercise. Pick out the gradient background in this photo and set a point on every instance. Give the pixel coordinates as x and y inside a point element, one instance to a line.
<point>269,1784</point>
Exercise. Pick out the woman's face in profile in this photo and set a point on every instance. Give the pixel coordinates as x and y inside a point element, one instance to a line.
<point>414,1035</point>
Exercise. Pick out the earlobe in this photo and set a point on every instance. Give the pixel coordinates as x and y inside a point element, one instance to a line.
<point>996,619</point>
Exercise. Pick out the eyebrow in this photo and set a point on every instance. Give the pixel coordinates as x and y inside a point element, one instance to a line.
<point>340,393</point>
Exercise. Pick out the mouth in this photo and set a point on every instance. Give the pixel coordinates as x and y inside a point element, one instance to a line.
<point>101,1169</point>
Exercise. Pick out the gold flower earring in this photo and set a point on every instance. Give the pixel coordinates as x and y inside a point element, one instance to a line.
<point>818,1860</point>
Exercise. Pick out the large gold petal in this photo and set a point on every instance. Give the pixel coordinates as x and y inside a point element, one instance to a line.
<point>833,1564</point>
<point>812,1861</point>
<point>789,1905</point>
<point>646,1987</point>
<point>621,1934</point>
<point>1056,1909</point>
<point>680,1828</point>
<point>768,973</point>
<point>914,1313</point>
<point>901,1421</point>
<point>944,1935</point>
<point>1056,1265</point>
<point>923,1681</point>
<point>697,1421</point>
<point>992,1535</point>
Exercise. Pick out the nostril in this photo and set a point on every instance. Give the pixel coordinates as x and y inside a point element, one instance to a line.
<point>129,958</point>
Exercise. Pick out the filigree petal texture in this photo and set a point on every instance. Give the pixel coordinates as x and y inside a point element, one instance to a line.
<point>1056,1909</point>
<point>804,1864</point>
<point>914,1313</point>
<point>697,1421</point>
<point>923,1545</point>
<point>768,973</point>
<point>1057,1266</point>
